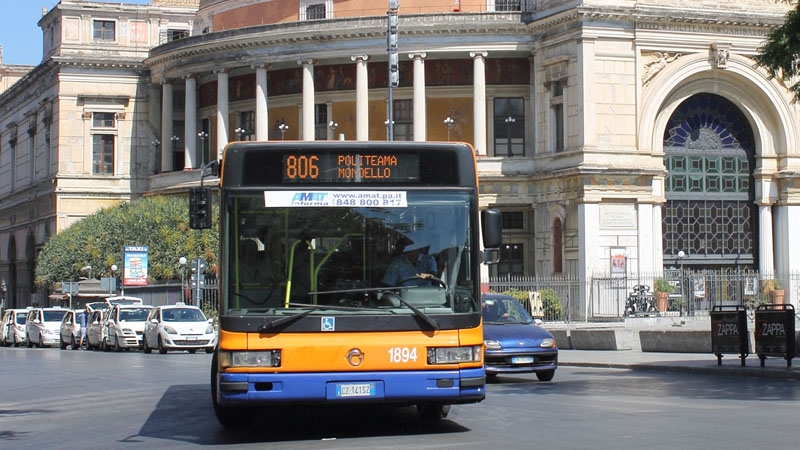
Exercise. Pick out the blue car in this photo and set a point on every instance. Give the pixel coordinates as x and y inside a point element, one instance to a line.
<point>514,343</point>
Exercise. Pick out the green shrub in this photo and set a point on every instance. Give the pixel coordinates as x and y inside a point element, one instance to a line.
<point>551,305</point>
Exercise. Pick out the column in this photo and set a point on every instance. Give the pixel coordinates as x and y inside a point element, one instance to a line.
<point>222,111</point>
<point>262,112</point>
<point>658,239</point>
<point>190,125</point>
<point>644,239</point>
<point>588,254</point>
<point>166,127</point>
<point>420,121</point>
<point>308,99</point>
<point>479,101</point>
<point>362,98</point>
<point>766,258</point>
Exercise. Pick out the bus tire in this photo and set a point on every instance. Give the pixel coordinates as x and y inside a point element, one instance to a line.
<point>234,418</point>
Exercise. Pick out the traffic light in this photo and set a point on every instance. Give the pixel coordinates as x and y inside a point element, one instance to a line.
<point>199,208</point>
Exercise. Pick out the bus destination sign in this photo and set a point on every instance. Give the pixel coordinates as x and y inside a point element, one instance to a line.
<point>351,168</point>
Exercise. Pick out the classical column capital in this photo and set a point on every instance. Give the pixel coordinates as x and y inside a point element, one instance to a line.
<point>359,58</point>
<point>261,66</point>
<point>417,55</point>
<point>303,62</point>
<point>221,70</point>
<point>188,76</point>
<point>166,81</point>
<point>478,54</point>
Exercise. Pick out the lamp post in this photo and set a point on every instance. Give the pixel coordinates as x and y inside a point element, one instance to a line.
<point>394,65</point>
<point>239,133</point>
<point>3,289</point>
<point>333,125</point>
<point>182,261</point>
<point>156,143</point>
<point>282,128</point>
<point>681,255</point>
<point>509,120</point>
<point>449,122</point>
<point>203,136</point>
<point>113,276</point>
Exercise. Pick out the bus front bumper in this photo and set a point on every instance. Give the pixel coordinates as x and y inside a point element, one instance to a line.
<point>444,386</point>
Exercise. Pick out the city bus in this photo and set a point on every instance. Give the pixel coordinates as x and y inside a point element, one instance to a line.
<point>349,272</point>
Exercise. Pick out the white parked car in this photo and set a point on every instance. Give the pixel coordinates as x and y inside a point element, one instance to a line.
<point>13,324</point>
<point>43,326</point>
<point>71,329</point>
<point>178,327</point>
<point>125,325</point>
<point>96,329</point>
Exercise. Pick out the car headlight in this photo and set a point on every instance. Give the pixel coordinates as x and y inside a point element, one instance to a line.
<point>548,343</point>
<point>209,329</point>
<point>170,330</point>
<point>266,358</point>
<point>450,355</point>
<point>493,344</point>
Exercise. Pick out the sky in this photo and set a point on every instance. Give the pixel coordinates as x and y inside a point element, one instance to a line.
<point>20,35</point>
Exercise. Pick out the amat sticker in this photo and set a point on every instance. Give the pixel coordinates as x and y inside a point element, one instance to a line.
<point>328,324</point>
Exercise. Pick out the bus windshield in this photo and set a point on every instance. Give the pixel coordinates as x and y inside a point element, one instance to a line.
<point>351,259</point>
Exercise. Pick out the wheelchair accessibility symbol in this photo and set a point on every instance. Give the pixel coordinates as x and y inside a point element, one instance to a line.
<point>328,324</point>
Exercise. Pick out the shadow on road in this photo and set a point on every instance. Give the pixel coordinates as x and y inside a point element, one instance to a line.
<point>184,413</point>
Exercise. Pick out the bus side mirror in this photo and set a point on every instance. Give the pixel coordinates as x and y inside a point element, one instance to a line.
<point>492,233</point>
<point>199,208</point>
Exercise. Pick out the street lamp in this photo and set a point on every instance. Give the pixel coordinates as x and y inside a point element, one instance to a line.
<point>282,128</point>
<point>239,133</point>
<point>509,120</point>
<point>449,122</point>
<point>182,261</point>
<point>203,136</point>
<point>681,255</point>
<point>333,125</point>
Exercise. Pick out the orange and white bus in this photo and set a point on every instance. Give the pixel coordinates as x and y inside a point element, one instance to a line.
<point>349,273</point>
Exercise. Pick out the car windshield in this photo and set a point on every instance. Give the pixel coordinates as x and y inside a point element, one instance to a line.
<point>125,302</point>
<point>182,315</point>
<point>53,316</point>
<point>504,310</point>
<point>97,305</point>
<point>133,314</point>
<point>21,318</point>
<point>374,260</point>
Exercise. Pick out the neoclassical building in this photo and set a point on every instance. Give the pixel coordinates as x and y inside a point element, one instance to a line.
<point>603,128</point>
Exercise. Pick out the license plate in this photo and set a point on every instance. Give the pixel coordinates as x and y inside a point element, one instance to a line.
<point>191,338</point>
<point>521,359</point>
<point>355,390</point>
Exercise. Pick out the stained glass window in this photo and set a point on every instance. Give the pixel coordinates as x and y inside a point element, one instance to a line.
<point>709,214</point>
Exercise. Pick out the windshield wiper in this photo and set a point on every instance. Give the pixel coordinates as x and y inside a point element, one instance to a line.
<point>266,326</point>
<point>426,318</point>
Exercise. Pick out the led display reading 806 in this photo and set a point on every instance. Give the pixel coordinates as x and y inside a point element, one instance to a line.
<point>351,168</point>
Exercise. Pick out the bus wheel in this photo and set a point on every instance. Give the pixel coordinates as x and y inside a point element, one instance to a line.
<point>236,418</point>
<point>433,411</point>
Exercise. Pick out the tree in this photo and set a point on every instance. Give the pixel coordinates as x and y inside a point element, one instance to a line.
<point>781,52</point>
<point>160,223</point>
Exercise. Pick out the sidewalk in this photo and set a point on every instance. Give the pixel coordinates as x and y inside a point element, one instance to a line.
<point>698,363</point>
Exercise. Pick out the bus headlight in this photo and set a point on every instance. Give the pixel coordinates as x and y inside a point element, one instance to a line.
<point>267,358</point>
<point>451,355</point>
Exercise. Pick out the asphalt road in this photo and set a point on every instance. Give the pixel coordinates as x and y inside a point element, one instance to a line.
<point>77,399</point>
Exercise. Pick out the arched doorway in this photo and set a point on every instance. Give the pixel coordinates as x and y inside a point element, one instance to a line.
<point>710,212</point>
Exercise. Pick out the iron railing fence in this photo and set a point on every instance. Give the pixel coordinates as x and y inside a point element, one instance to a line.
<point>605,297</point>
<point>554,301</point>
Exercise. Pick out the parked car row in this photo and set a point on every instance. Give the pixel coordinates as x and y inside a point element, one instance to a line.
<point>117,323</point>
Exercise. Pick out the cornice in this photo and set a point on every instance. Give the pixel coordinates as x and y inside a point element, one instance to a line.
<point>329,30</point>
<point>104,63</point>
<point>650,16</point>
